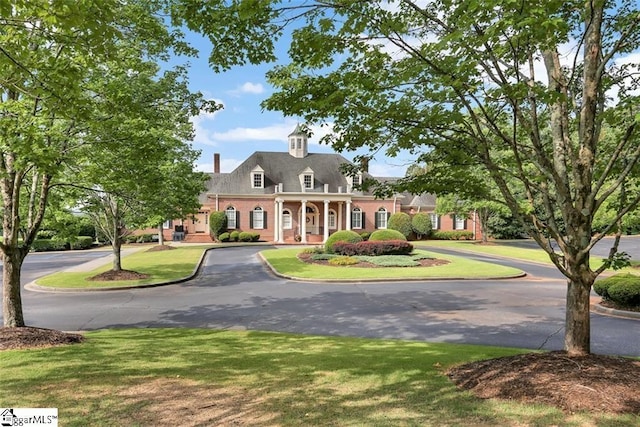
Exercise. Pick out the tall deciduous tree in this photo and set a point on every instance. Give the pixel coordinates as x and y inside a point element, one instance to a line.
<point>521,88</point>
<point>51,53</point>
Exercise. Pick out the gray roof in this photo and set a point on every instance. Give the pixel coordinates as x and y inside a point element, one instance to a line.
<point>282,168</point>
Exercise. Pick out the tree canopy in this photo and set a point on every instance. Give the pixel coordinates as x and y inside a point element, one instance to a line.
<point>541,95</point>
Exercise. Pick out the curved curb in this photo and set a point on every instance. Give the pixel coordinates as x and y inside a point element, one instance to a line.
<point>381,280</point>
<point>600,309</point>
<point>33,286</point>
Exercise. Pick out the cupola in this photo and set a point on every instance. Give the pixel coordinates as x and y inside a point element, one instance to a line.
<point>298,143</point>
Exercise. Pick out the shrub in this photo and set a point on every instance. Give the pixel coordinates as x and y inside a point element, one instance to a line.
<point>224,237</point>
<point>217,223</point>
<point>626,293</point>
<point>314,250</point>
<point>453,235</point>
<point>82,242</point>
<point>343,260</point>
<point>130,238</point>
<point>421,225</point>
<point>365,235</point>
<point>374,248</point>
<point>401,222</point>
<point>323,257</point>
<point>145,238</point>
<point>44,245</point>
<point>234,236</point>
<point>383,235</point>
<point>341,236</point>
<point>255,237</point>
<point>623,289</point>
<point>245,236</point>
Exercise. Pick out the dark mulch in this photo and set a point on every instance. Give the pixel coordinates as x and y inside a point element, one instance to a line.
<point>28,337</point>
<point>157,248</point>
<point>118,275</point>
<point>429,262</point>
<point>612,304</point>
<point>592,383</point>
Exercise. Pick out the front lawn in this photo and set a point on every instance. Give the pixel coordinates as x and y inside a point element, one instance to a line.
<point>145,377</point>
<point>286,262</point>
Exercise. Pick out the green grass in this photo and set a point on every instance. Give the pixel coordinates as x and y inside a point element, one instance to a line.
<point>162,266</point>
<point>285,262</point>
<point>174,376</point>
<point>495,248</point>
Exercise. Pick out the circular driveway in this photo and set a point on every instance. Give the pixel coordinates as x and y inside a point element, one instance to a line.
<point>234,290</point>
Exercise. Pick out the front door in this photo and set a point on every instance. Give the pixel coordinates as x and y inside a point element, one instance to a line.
<point>201,222</point>
<point>312,221</point>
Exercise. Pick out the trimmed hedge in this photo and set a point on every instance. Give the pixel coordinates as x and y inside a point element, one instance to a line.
<point>349,236</point>
<point>224,237</point>
<point>383,235</point>
<point>374,248</point>
<point>421,225</point>
<point>217,223</point>
<point>234,236</point>
<point>452,235</point>
<point>44,245</point>
<point>390,260</point>
<point>365,235</point>
<point>246,236</point>
<point>622,289</point>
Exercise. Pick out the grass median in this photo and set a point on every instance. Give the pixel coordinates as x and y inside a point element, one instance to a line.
<point>208,377</point>
<point>285,262</point>
<point>161,266</point>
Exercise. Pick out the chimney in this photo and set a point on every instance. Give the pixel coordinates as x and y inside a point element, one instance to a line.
<point>216,163</point>
<point>364,164</point>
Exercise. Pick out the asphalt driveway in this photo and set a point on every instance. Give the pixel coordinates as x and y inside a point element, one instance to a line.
<point>234,290</point>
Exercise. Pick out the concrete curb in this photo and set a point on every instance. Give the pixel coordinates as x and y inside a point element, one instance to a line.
<point>600,309</point>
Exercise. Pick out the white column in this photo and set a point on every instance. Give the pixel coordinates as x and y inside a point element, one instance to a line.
<point>303,222</point>
<point>339,225</point>
<point>326,221</point>
<point>280,224</point>
<point>276,221</point>
<point>348,214</point>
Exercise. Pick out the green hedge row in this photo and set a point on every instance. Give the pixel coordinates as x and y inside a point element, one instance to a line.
<point>45,245</point>
<point>452,235</point>
<point>239,236</point>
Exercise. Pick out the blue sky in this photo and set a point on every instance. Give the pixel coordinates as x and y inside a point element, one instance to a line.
<point>242,127</point>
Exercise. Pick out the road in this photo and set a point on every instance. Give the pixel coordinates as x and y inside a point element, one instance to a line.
<point>234,290</point>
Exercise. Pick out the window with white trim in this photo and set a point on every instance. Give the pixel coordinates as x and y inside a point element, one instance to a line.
<point>459,222</point>
<point>258,218</point>
<point>167,225</point>
<point>356,180</point>
<point>356,218</point>
<point>435,221</point>
<point>287,224</point>
<point>231,217</point>
<point>299,140</point>
<point>308,181</point>
<point>257,180</point>
<point>332,220</point>
<point>381,218</point>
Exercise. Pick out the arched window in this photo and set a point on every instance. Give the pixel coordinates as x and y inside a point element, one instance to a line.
<point>257,218</point>
<point>286,220</point>
<point>332,219</point>
<point>232,217</point>
<point>356,218</point>
<point>381,218</point>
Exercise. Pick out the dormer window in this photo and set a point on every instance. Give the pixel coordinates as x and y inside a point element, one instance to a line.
<point>308,181</point>
<point>257,177</point>
<point>356,180</point>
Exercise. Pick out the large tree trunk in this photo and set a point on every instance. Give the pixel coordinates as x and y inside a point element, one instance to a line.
<point>577,337</point>
<point>11,295</point>
<point>160,235</point>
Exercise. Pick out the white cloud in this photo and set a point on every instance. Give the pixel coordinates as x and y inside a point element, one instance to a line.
<point>248,87</point>
<point>202,135</point>
<point>273,132</point>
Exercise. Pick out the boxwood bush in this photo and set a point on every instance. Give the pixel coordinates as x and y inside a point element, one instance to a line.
<point>622,289</point>
<point>401,222</point>
<point>234,236</point>
<point>382,235</point>
<point>246,236</point>
<point>82,242</point>
<point>224,237</point>
<point>349,236</point>
<point>44,245</point>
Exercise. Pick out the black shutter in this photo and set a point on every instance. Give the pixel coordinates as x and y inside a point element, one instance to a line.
<point>264,219</point>
<point>363,223</point>
<point>251,219</point>
<point>377,220</point>
<point>237,220</point>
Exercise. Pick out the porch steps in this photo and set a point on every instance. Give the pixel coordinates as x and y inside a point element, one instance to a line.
<point>198,238</point>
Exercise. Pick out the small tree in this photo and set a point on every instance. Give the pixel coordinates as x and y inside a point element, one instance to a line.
<point>218,223</point>
<point>401,222</point>
<point>421,225</point>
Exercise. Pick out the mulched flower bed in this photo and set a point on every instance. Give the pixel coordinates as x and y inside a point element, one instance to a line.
<point>28,337</point>
<point>118,275</point>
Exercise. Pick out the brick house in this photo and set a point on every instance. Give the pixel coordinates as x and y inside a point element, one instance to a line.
<point>297,196</point>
